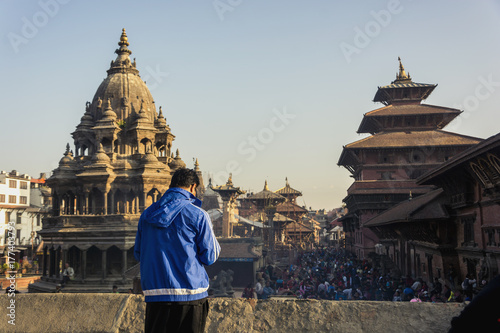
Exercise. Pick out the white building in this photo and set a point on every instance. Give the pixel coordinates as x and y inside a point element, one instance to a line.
<point>23,200</point>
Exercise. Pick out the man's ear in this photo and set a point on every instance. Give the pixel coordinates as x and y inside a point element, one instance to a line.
<point>192,189</point>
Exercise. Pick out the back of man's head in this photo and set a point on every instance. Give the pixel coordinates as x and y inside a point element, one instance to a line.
<point>184,178</point>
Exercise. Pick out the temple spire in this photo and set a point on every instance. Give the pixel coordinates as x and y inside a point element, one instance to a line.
<point>123,43</point>
<point>123,38</point>
<point>402,76</point>
<point>122,61</point>
<point>266,188</point>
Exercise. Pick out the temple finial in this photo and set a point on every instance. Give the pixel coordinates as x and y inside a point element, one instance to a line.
<point>266,188</point>
<point>123,38</point>
<point>402,73</point>
<point>230,180</point>
<point>123,50</point>
<point>196,165</point>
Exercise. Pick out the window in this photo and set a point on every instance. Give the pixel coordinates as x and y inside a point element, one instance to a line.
<point>480,173</point>
<point>7,218</point>
<point>468,223</point>
<point>2,197</point>
<point>12,183</point>
<point>12,199</point>
<point>18,234</point>
<point>491,237</point>
<point>19,218</point>
<point>38,218</point>
<point>23,185</point>
<point>23,200</point>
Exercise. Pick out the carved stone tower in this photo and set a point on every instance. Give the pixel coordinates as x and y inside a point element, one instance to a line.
<point>123,162</point>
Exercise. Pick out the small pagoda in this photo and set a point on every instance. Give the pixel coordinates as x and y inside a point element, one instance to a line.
<point>289,208</point>
<point>266,201</point>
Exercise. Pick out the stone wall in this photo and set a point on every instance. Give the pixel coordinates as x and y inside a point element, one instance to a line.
<point>125,313</point>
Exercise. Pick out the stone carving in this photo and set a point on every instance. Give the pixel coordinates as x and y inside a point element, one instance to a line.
<point>221,285</point>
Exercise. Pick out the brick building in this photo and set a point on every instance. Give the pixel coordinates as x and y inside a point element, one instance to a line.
<point>406,140</point>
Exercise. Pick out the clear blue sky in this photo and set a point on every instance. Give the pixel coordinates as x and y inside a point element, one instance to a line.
<point>222,70</point>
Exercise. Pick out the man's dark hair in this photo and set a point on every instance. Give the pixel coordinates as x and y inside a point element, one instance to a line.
<point>184,178</point>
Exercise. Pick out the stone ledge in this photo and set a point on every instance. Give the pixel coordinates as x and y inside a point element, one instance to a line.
<point>125,313</point>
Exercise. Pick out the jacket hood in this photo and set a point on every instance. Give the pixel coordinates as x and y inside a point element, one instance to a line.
<point>165,210</point>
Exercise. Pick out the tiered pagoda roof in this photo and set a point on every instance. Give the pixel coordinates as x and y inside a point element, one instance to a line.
<point>404,123</point>
<point>288,192</point>
<point>403,89</point>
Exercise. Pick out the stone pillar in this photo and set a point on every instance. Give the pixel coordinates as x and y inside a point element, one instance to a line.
<point>86,208</point>
<point>78,203</point>
<point>93,205</point>
<point>105,203</point>
<point>64,257</point>
<point>73,205</point>
<point>144,200</point>
<point>226,216</point>
<point>52,264</point>
<point>84,264</point>
<point>45,261</point>
<point>58,262</point>
<point>103,264</point>
<point>124,262</point>
<point>113,203</point>
<point>62,206</point>
<point>270,211</point>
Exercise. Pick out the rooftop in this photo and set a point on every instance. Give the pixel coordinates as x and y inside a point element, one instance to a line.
<point>420,208</point>
<point>411,139</point>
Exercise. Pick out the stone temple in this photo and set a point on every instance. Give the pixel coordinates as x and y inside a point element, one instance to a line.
<point>122,162</point>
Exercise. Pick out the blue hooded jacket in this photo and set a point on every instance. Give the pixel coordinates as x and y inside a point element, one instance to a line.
<point>174,240</point>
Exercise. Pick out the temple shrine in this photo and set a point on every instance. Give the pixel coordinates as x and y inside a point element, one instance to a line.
<point>406,139</point>
<point>123,161</point>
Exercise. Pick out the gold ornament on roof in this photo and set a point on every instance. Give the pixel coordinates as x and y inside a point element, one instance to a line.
<point>123,38</point>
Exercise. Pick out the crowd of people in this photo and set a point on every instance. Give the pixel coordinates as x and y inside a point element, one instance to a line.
<point>332,274</point>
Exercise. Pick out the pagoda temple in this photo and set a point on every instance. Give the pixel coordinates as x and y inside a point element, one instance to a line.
<point>406,140</point>
<point>289,208</point>
<point>122,163</point>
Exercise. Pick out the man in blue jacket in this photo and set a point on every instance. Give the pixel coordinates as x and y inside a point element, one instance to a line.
<point>174,240</point>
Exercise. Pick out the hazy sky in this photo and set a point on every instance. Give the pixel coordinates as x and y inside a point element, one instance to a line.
<point>265,89</point>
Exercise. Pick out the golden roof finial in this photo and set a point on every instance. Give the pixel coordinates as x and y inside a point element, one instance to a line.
<point>402,74</point>
<point>266,188</point>
<point>123,38</point>
<point>230,180</point>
